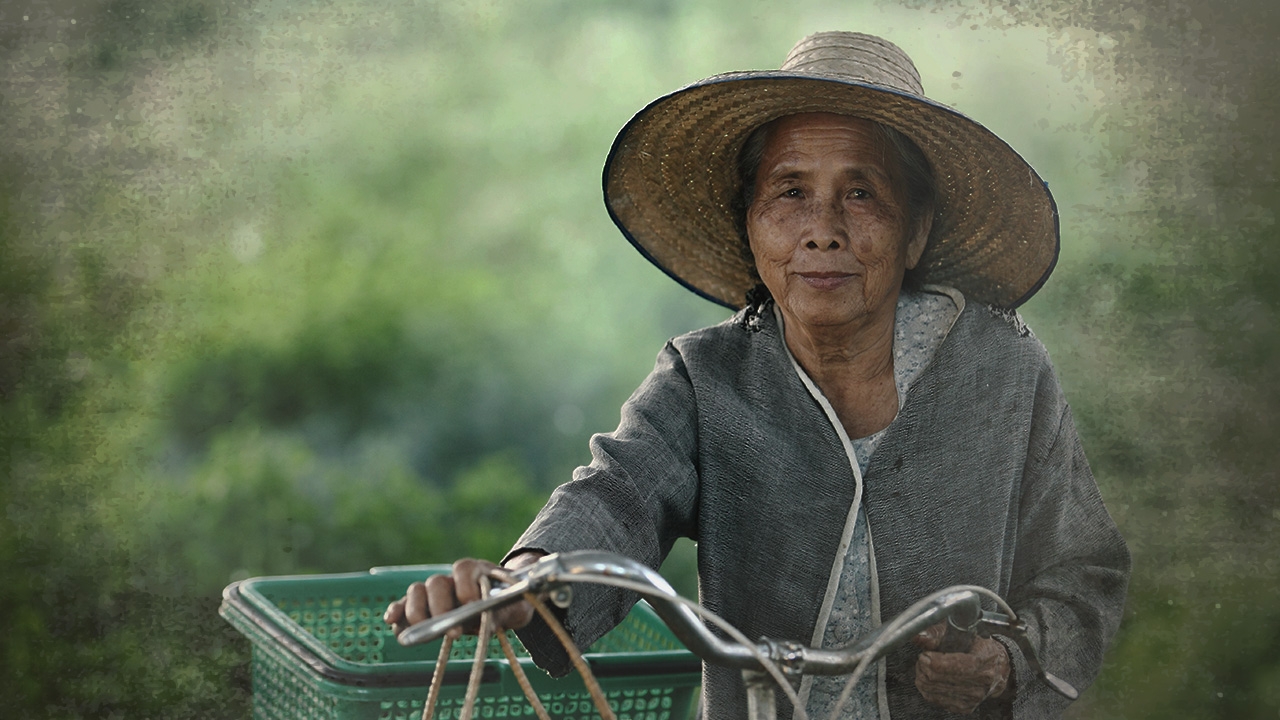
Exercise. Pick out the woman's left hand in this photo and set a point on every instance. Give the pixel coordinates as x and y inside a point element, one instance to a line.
<point>959,681</point>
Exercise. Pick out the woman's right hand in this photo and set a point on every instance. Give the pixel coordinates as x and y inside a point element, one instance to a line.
<point>439,594</point>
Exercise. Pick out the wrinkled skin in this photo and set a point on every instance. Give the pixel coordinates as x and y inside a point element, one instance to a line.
<point>829,226</point>
<point>959,682</point>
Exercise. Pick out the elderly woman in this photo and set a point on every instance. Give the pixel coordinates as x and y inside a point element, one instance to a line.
<point>873,424</point>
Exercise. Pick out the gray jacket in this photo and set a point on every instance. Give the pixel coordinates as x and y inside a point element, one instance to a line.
<point>980,480</point>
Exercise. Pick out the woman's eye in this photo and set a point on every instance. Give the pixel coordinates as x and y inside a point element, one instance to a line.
<point>792,193</point>
<point>859,194</point>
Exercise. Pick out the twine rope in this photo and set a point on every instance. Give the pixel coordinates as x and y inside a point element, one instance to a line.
<point>487,628</point>
<point>437,679</point>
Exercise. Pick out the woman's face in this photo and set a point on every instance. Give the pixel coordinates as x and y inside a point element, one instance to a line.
<point>828,223</point>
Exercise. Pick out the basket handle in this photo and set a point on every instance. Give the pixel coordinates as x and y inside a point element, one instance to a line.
<point>482,651</point>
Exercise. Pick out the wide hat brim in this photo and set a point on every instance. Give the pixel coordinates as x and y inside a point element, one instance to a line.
<point>671,177</point>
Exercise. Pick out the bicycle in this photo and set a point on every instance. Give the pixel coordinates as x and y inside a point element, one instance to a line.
<point>765,664</point>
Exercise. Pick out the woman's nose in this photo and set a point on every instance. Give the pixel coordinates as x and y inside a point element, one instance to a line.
<point>830,230</point>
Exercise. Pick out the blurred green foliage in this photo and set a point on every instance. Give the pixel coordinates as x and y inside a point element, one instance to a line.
<point>293,287</point>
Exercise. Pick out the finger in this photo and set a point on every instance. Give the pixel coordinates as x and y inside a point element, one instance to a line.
<point>467,574</point>
<point>930,637</point>
<point>955,681</point>
<point>985,663</point>
<point>519,614</point>
<point>942,683</point>
<point>948,667</point>
<point>395,617</point>
<point>394,612</point>
<point>466,578</point>
<point>957,700</point>
<point>995,658</point>
<point>415,604</point>
<point>957,705</point>
<point>440,599</point>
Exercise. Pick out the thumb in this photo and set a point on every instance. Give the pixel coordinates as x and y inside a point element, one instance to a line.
<point>931,637</point>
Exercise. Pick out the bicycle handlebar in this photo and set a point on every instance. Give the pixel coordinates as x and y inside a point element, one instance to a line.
<point>960,606</point>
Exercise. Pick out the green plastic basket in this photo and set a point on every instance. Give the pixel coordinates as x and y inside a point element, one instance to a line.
<point>320,650</point>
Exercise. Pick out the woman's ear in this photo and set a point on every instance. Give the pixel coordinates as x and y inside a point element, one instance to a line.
<point>919,239</point>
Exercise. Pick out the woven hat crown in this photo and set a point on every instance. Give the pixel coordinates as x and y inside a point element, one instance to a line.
<point>671,179</point>
<point>855,57</point>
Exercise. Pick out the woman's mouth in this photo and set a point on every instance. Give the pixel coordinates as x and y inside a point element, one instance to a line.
<point>825,280</point>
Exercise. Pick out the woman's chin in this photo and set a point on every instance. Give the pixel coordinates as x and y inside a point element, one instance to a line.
<point>825,312</point>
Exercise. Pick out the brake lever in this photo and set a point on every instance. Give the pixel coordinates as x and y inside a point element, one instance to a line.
<point>993,623</point>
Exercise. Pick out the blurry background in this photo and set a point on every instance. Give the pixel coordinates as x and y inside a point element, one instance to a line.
<point>311,286</point>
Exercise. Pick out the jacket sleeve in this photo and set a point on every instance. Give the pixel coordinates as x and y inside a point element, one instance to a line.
<point>636,498</point>
<point>1070,570</point>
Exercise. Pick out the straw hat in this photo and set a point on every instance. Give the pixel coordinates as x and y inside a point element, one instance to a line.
<point>671,176</point>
